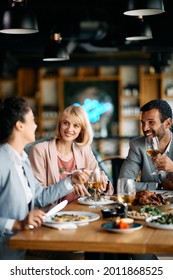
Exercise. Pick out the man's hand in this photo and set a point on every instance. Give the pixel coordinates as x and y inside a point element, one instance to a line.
<point>163,163</point>
<point>167,184</point>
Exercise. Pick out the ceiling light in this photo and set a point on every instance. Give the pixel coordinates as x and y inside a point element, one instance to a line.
<point>139,30</point>
<point>144,7</point>
<point>55,51</point>
<point>18,19</point>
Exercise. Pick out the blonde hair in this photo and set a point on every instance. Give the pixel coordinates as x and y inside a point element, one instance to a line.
<point>80,117</point>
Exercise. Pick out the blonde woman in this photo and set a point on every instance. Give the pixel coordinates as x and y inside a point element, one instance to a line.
<point>69,150</point>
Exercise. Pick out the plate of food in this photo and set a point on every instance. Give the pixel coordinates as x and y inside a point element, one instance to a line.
<point>76,217</point>
<point>102,200</point>
<point>144,212</point>
<point>113,227</point>
<point>164,221</point>
<point>163,201</point>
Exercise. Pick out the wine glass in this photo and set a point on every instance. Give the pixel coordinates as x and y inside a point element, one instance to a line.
<point>94,183</point>
<point>152,150</point>
<point>126,192</point>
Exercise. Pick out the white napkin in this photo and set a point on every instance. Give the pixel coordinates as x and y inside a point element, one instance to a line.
<point>61,226</point>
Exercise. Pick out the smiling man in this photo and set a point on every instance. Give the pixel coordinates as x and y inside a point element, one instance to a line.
<point>156,120</point>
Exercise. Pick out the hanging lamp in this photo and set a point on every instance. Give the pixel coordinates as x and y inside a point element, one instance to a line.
<point>139,30</point>
<point>56,51</point>
<point>144,7</point>
<point>18,19</point>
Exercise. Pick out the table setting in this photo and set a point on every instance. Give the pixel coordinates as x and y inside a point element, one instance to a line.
<point>143,208</point>
<point>125,210</point>
<point>153,207</point>
<point>105,228</point>
<point>95,236</point>
<point>120,223</point>
<point>67,219</point>
<point>97,200</point>
<point>70,219</point>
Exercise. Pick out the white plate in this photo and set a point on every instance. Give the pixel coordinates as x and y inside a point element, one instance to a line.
<point>133,227</point>
<point>92,217</point>
<point>157,225</point>
<point>140,218</point>
<point>106,201</point>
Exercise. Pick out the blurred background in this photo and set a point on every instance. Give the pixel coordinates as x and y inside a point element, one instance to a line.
<point>90,29</point>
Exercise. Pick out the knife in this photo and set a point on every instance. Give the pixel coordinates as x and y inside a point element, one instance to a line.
<point>57,208</point>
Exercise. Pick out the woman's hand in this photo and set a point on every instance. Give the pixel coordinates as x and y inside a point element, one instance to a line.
<point>106,186</point>
<point>80,176</point>
<point>33,220</point>
<point>80,190</point>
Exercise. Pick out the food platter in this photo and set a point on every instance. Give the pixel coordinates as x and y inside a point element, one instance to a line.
<point>105,200</point>
<point>166,207</point>
<point>76,217</point>
<point>140,217</point>
<point>144,212</point>
<point>110,227</point>
<point>150,223</point>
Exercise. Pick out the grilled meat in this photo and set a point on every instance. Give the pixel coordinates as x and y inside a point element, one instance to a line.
<point>148,198</point>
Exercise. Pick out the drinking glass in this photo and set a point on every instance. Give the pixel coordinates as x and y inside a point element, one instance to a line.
<point>152,150</point>
<point>126,192</point>
<point>94,183</point>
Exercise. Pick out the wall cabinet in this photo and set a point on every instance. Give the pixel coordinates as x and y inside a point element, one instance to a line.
<point>111,95</point>
<point>8,87</point>
<point>94,88</point>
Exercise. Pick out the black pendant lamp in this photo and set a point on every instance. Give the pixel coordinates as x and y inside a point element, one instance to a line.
<point>56,51</point>
<point>138,30</point>
<point>144,7</point>
<point>18,19</point>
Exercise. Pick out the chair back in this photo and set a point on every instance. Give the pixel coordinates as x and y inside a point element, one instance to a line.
<point>111,165</point>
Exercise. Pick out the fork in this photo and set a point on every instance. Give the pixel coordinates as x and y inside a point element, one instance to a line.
<point>77,170</point>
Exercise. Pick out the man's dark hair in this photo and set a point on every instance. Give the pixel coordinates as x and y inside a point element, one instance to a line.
<point>161,105</point>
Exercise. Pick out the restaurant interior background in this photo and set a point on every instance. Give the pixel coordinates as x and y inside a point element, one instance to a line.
<point>108,75</point>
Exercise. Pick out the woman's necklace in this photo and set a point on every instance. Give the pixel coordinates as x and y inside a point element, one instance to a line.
<point>65,162</point>
<point>67,157</point>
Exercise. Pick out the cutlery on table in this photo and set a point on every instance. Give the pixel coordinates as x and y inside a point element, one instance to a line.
<point>55,209</point>
<point>77,170</point>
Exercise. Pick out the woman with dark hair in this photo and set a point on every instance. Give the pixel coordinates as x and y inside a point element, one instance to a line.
<point>20,192</point>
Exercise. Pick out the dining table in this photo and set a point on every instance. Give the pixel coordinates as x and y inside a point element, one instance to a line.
<point>92,237</point>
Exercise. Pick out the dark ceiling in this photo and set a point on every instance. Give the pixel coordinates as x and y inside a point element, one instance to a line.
<point>104,39</point>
